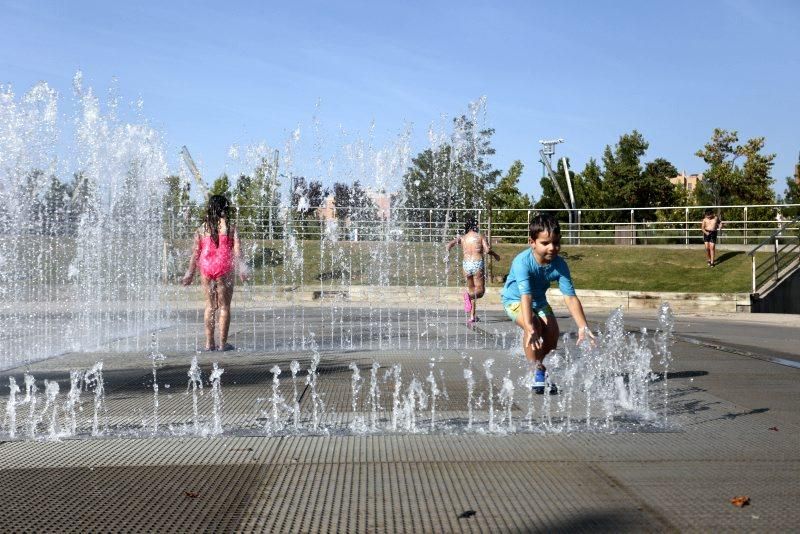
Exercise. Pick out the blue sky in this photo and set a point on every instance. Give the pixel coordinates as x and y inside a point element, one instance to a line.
<point>213,74</point>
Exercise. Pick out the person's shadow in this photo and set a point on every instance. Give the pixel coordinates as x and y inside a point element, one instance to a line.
<point>726,256</point>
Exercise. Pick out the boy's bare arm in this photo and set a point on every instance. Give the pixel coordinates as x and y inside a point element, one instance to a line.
<point>576,310</point>
<point>530,335</point>
<point>452,243</point>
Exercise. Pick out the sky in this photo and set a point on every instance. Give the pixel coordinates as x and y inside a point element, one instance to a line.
<point>216,74</point>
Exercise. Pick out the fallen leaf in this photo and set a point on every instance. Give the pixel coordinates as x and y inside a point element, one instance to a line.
<point>774,428</point>
<point>741,501</point>
<point>466,513</point>
<point>191,494</point>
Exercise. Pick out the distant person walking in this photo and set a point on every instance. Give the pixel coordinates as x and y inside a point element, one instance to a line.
<point>525,299</point>
<point>711,225</point>
<point>217,252</point>
<point>474,246</point>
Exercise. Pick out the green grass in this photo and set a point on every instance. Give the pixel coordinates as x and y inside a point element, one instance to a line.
<point>628,268</point>
<point>638,268</point>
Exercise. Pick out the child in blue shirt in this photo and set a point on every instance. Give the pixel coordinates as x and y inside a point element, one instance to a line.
<point>524,296</point>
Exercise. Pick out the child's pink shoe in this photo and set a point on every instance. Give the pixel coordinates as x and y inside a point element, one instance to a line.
<point>467,303</point>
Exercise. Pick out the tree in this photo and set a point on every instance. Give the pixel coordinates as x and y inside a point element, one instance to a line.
<point>55,209</point>
<point>550,199</point>
<point>589,191</point>
<point>792,196</point>
<point>456,174</point>
<point>257,199</point>
<point>724,181</point>
<point>506,195</point>
<point>622,169</point>
<point>653,189</point>
<point>178,208</point>
<point>221,186</point>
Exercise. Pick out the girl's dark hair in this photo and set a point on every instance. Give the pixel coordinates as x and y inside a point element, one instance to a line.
<point>543,223</point>
<point>471,224</point>
<point>217,208</point>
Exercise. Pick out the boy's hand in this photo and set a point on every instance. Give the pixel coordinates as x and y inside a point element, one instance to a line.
<point>187,279</point>
<point>583,333</point>
<point>532,338</point>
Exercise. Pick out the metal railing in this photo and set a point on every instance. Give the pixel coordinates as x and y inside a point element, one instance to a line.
<point>674,225</point>
<point>785,256</point>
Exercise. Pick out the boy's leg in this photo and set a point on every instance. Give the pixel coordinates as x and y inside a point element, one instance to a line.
<point>225,295</point>
<point>712,248</point>
<point>210,291</point>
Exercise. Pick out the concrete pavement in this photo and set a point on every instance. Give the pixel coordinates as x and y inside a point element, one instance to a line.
<point>733,430</point>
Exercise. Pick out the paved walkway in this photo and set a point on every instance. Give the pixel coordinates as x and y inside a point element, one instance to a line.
<point>733,430</point>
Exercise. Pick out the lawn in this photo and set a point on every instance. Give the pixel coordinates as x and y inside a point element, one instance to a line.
<point>640,268</point>
<point>631,268</point>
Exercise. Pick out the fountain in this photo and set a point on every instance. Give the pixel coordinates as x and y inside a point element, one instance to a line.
<point>89,269</point>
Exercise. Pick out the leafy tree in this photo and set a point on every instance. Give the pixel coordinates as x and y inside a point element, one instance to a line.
<point>178,207</point>
<point>221,186</point>
<point>506,195</point>
<point>792,196</point>
<point>55,208</point>
<point>257,199</point>
<point>456,174</point>
<point>653,189</point>
<point>725,182</point>
<point>589,191</point>
<point>305,199</point>
<point>550,199</point>
<point>622,169</point>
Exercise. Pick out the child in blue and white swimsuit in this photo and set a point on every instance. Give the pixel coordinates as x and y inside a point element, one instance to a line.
<point>474,245</point>
<point>525,300</point>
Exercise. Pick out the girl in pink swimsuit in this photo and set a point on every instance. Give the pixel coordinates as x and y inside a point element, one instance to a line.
<point>217,252</point>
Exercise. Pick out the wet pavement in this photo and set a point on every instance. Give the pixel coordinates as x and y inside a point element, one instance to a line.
<point>732,430</point>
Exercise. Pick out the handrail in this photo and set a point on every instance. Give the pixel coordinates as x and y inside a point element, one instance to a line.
<point>775,264</point>
<point>775,234</point>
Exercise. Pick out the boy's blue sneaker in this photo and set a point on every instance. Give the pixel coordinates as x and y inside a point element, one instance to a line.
<point>539,384</point>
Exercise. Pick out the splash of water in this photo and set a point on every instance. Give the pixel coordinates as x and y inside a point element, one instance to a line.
<point>294,367</point>
<point>487,368</point>
<point>216,396</point>
<point>195,385</point>
<point>11,407</point>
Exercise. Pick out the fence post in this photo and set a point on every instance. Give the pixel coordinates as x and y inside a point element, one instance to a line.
<point>633,230</point>
<point>686,228</point>
<point>754,273</point>
<point>745,229</point>
<point>579,227</point>
<point>775,258</point>
<point>489,236</point>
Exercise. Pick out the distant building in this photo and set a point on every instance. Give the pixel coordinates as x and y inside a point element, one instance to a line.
<point>687,181</point>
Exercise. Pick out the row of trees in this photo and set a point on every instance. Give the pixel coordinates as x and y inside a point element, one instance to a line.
<point>737,174</point>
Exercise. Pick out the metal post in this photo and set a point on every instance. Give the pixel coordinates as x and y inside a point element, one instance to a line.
<point>745,226</point>
<point>579,227</point>
<point>754,273</point>
<point>633,230</point>
<point>775,257</point>
<point>489,239</point>
<point>686,228</point>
